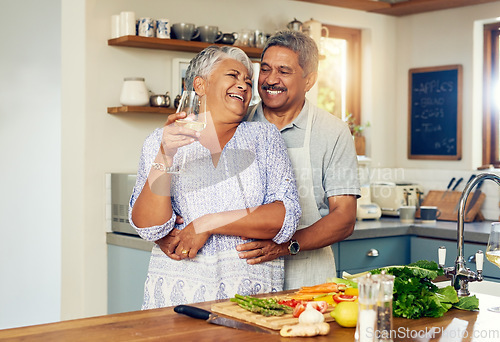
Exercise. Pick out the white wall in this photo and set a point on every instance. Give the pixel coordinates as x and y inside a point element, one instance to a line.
<point>30,141</point>
<point>94,142</point>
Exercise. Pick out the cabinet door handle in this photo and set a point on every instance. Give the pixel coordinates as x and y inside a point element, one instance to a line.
<point>472,259</point>
<point>372,253</point>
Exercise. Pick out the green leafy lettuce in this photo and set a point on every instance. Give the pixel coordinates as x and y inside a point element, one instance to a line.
<point>470,303</point>
<point>415,295</point>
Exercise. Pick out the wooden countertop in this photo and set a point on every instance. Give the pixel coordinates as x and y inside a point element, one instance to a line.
<point>166,325</point>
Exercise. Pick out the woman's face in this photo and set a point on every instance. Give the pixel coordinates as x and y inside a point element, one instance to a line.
<point>228,90</point>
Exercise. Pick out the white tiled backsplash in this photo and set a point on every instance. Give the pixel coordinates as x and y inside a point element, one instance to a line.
<point>431,179</point>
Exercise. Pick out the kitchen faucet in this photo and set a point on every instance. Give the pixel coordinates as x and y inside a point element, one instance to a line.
<point>461,275</point>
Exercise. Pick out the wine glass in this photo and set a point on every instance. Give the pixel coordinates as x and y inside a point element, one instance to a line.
<point>196,119</point>
<point>493,251</point>
<point>191,104</point>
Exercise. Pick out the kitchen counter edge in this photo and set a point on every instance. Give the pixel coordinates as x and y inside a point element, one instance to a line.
<point>474,232</point>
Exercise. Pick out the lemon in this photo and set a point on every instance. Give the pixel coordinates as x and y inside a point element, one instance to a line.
<point>346,314</point>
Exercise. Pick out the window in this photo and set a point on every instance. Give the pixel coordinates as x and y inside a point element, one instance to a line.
<point>339,77</point>
<point>491,95</point>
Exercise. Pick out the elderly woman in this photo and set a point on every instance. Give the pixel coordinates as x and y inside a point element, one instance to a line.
<point>237,184</point>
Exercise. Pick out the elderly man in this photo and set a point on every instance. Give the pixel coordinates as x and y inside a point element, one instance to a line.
<point>322,152</point>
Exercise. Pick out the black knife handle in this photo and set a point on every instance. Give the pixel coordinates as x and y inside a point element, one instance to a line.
<point>471,178</point>
<point>457,183</point>
<point>192,311</point>
<point>450,183</point>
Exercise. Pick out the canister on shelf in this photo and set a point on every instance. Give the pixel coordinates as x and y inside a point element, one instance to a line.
<point>127,23</point>
<point>134,92</point>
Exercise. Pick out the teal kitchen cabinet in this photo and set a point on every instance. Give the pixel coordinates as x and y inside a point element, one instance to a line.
<point>354,256</point>
<point>427,249</point>
<point>127,270</point>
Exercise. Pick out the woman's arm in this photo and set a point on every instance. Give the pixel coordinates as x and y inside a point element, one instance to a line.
<point>150,211</point>
<point>262,222</point>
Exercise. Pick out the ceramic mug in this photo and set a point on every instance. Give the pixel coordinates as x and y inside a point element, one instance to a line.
<point>407,213</point>
<point>147,27</point>
<point>209,34</point>
<point>163,28</point>
<point>127,24</point>
<point>185,31</point>
<point>429,214</point>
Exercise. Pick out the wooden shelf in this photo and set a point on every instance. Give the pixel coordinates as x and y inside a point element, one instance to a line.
<point>140,109</point>
<point>173,44</point>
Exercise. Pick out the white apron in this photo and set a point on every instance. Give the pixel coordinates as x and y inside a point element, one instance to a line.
<point>307,267</point>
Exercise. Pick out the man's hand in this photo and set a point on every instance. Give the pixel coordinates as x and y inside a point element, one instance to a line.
<point>261,250</point>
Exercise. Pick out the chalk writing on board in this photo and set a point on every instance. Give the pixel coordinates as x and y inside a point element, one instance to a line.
<point>434,112</point>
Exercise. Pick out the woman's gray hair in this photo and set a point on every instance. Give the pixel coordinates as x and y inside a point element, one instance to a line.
<point>206,61</point>
<point>303,45</point>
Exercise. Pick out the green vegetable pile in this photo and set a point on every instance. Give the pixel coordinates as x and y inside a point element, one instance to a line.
<point>266,307</point>
<point>415,296</point>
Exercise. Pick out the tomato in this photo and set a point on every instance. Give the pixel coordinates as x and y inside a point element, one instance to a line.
<point>344,298</point>
<point>290,302</point>
<point>321,306</point>
<point>299,308</point>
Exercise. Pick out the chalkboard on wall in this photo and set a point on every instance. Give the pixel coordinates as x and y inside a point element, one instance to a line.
<point>435,113</point>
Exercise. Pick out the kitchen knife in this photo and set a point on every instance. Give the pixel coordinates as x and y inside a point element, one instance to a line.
<point>475,197</point>
<point>458,203</point>
<point>448,188</point>
<point>210,317</point>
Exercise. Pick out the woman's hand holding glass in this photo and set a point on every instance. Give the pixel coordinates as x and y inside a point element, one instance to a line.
<point>175,137</point>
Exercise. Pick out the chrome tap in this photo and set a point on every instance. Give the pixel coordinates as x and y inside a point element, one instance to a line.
<point>461,275</point>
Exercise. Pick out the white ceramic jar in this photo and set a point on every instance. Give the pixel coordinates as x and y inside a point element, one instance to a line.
<point>134,92</point>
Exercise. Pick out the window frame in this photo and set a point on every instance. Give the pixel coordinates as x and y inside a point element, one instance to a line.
<point>353,82</point>
<point>491,37</point>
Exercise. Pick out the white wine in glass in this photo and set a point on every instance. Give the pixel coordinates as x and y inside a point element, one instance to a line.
<point>493,251</point>
<point>191,124</point>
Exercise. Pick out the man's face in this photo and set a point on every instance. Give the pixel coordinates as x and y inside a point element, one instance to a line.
<point>282,84</point>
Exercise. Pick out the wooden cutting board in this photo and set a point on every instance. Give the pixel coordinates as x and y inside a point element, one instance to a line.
<point>233,310</point>
<point>448,205</point>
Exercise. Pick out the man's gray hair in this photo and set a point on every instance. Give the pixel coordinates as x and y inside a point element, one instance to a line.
<point>300,43</point>
<point>206,61</point>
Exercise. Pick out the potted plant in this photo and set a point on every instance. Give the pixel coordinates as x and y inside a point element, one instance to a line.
<point>357,133</point>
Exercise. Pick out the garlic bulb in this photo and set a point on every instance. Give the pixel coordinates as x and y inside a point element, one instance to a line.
<point>311,315</point>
